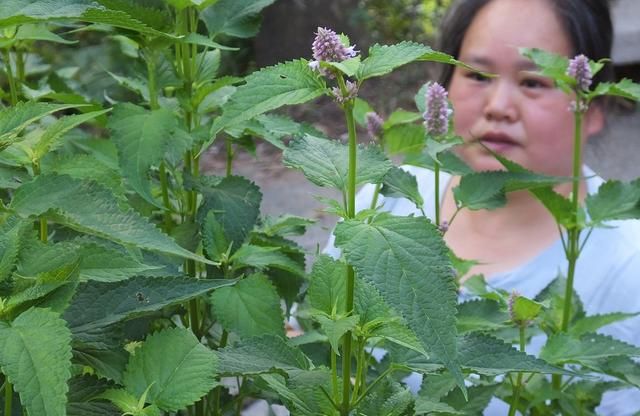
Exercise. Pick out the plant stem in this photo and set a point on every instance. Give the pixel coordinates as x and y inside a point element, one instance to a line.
<point>518,387</point>
<point>151,82</point>
<point>360,367</point>
<point>334,374</point>
<point>9,70</point>
<point>230,155</point>
<point>43,226</point>
<point>20,75</point>
<point>351,211</point>
<point>376,193</point>
<point>436,171</point>
<point>8,397</point>
<point>164,184</point>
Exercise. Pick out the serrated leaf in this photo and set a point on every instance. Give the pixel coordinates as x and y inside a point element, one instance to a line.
<point>99,304</point>
<point>614,200</point>
<point>524,309</point>
<point>336,328</point>
<point>238,18</point>
<point>264,257</point>
<point>563,348</point>
<point>621,367</point>
<point>82,166</point>
<point>287,83</point>
<point>326,162</point>
<point>383,59</point>
<point>625,88</point>
<point>50,138</point>
<point>401,117</point>
<point>179,369</point>
<point>426,406</point>
<point>214,242</point>
<point>348,67</point>
<point>327,289</point>
<point>550,64</point>
<point>108,364</point>
<point>82,392</point>
<point>12,234</point>
<point>142,138</point>
<point>449,162</point>
<point>594,322</point>
<point>23,11</point>
<point>250,308</point>
<point>104,264</point>
<point>488,355</point>
<point>399,183</point>
<point>480,315</point>
<point>15,118</point>
<point>235,203</point>
<point>99,213</point>
<point>479,399</point>
<point>35,355</point>
<point>285,225</point>
<point>259,355</point>
<point>151,16</point>
<point>406,260</point>
<point>487,190</point>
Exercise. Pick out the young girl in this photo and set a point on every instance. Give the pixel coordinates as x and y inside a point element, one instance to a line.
<point>523,117</point>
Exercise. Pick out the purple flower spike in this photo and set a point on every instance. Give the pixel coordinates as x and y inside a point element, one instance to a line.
<point>329,48</point>
<point>580,70</point>
<point>374,124</point>
<point>512,299</point>
<point>352,92</point>
<point>437,114</point>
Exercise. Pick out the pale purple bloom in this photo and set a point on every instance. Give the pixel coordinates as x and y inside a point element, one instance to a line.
<point>437,111</point>
<point>328,47</point>
<point>352,91</point>
<point>444,226</point>
<point>374,124</point>
<point>512,299</point>
<point>580,70</point>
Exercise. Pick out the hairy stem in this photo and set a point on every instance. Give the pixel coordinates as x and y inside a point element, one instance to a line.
<point>164,185</point>
<point>436,171</point>
<point>230,155</point>
<point>351,212</point>
<point>8,397</point>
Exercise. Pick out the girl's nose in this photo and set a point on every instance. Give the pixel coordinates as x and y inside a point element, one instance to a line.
<point>501,102</point>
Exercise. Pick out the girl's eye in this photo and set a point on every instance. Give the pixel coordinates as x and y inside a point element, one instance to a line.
<point>533,83</point>
<point>474,76</point>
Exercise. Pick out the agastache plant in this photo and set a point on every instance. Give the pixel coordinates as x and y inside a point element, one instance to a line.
<point>436,122</point>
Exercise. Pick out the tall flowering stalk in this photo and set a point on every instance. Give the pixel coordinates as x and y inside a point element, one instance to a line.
<point>328,47</point>
<point>436,122</point>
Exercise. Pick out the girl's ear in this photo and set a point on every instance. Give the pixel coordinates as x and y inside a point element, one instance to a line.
<point>593,120</point>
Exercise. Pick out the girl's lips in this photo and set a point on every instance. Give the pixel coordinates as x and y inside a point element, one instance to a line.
<point>498,142</point>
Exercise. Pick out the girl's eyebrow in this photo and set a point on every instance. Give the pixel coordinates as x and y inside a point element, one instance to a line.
<point>523,64</point>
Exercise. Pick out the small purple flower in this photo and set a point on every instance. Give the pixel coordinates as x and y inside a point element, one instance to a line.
<point>580,70</point>
<point>352,91</point>
<point>374,124</point>
<point>328,47</point>
<point>444,226</point>
<point>437,111</point>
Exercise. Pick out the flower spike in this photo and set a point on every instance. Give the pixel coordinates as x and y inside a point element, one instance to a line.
<point>437,111</point>
<point>580,70</point>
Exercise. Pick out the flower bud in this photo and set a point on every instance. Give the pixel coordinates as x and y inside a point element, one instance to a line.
<point>352,91</point>
<point>580,70</point>
<point>374,124</point>
<point>437,111</point>
<point>328,47</point>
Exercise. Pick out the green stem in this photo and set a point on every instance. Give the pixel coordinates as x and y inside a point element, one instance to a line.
<point>10,78</point>
<point>351,212</point>
<point>8,397</point>
<point>20,75</point>
<point>164,185</point>
<point>518,387</point>
<point>436,171</point>
<point>360,368</point>
<point>376,193</point>
<point>151,75</point>
<point>373,384</point>
<point>43,226</point>
<point>230,155</point>
<point>218,390</point>
<point>334,374</point>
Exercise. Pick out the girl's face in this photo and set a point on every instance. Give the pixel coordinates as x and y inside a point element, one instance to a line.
<point>518,114</point>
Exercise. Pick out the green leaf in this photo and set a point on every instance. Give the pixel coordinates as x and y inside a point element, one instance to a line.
<point>379,320</point>
<point>383,59</point>
<point>235,202</point>
<point>15,118</point>
<point>99,213</point>
<point>404,138</point>
<point>427,406</point>
<point>433,148</point>
<point>615,200</point>
<point>238,18</point>
<point>625,88</point>
<point>348,67</point>
<point>449,162</point>
<point>481,315</point>
<point>336,328</point>
<point>488,355</point>
<point>406,260</point>
<point>179,369</point>
<point>22,11</point>
<point>99,304</point>
<point>104,264</point>
<point>327,289</point>
<point>50,139</point>
<point>268,89</point>
<point>563,348</point>
<point>250,308</point>
<point>82,392</point>
<point>285,225</point>
<point>524,309</point>
<point>260,355</point>
<point>108,364</point>
<point>36,358</point>
<point>326,162</point>
<point>621,367</point>
<point>143,137</point>
<point>487,190</point>
<point>479,399</point>
<point>399,183</point>
<point>401,117</point>
<point>594,322</point>
<point>213,239</point>
<point>81,166</point>
<point>264,257</point>
<point>12,238</point>
<point>154,17</point>
<point>40,32</point>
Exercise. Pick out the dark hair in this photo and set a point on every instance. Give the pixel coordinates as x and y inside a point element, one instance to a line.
<point>587,23</point>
